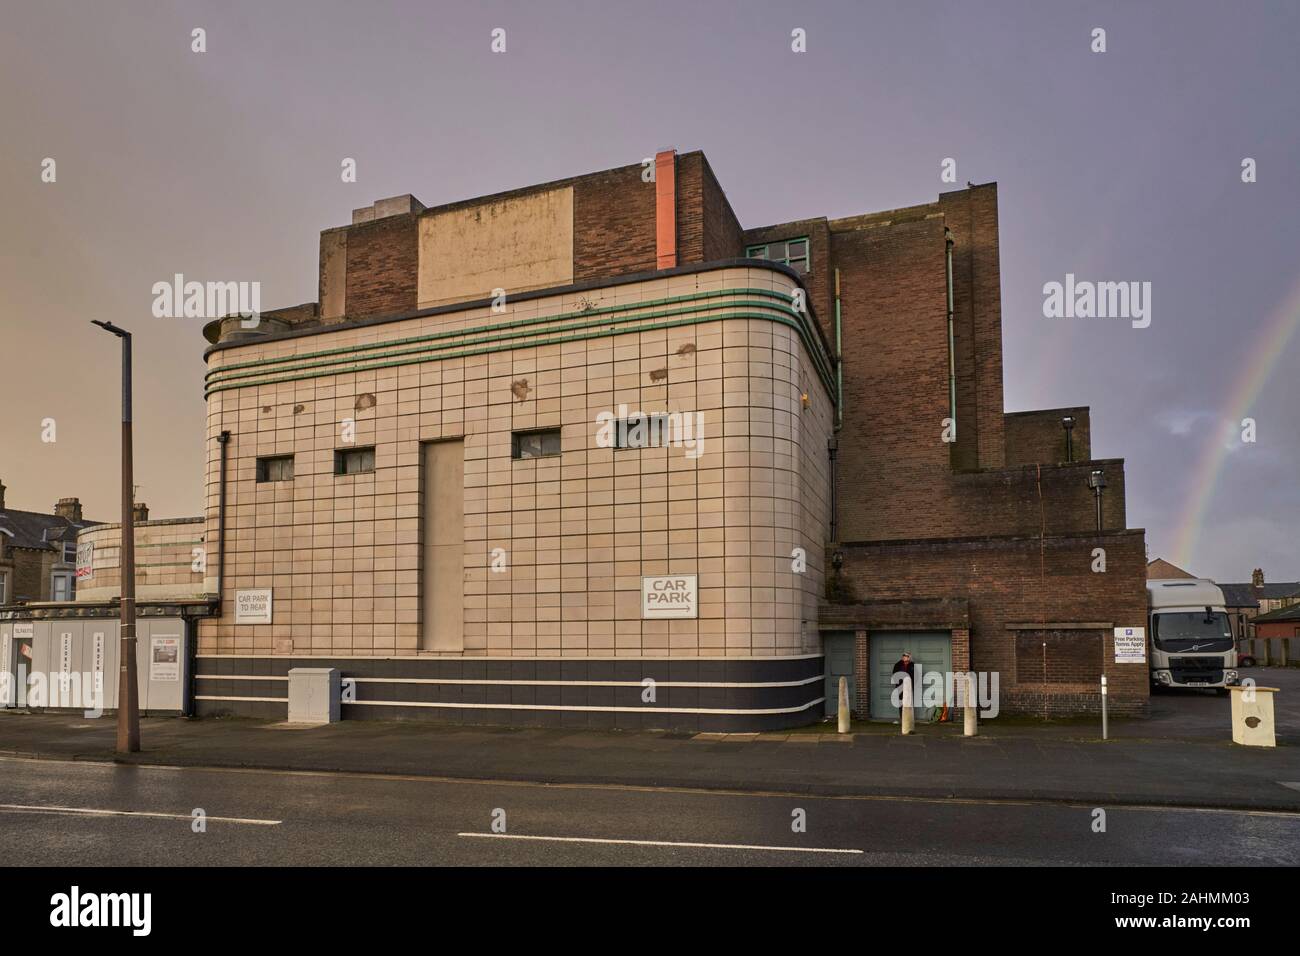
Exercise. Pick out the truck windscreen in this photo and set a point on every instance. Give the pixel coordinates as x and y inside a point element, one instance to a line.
<point>1192,631</point>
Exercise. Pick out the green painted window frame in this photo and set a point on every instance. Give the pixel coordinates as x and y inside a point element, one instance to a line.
<point>751,252</point>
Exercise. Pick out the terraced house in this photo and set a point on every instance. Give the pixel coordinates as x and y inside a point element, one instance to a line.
<point>38,552</point>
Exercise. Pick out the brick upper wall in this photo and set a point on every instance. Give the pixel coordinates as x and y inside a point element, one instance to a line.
<point>707,227</point>
<point>892,459</point>
<point>971,216</point>
<point>382,265</point>
<point>1038,437</point>
<point>613,224</point>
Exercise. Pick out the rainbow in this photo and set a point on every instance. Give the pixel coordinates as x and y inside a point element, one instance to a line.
<point>1252,376</point>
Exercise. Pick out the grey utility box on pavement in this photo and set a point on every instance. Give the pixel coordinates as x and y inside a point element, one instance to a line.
<point>314,694</point>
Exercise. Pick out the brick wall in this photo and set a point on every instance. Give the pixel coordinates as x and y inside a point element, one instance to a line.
<point>1038,436</point>
<point>723,236</point>
<point>1009,581</point>
<point>613,224</point>
<point>892,456</point>
<point>382,262</point>
<point>971,216</point>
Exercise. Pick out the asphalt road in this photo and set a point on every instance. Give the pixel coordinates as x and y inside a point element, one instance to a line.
<point>52,812</point>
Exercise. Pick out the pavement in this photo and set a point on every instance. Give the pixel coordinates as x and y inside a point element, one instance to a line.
<point>1181,757</point>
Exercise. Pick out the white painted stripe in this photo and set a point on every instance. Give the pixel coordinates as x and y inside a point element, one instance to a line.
<point>704,846</point>
<point>575,708</point>
<point>584,683</point>
<point>459,657</point>
<point>533,683</point>
<point>580,708</point>
<point>238,677</point>
<point>87,811</point>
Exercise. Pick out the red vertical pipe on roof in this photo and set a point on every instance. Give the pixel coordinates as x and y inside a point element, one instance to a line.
<point>666,209</point>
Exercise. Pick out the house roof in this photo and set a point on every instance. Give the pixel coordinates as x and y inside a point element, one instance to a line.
<point>1290,613</point>
<point>31,529</point>
<point>1238,595</point>
<point>1268,592</point>
<point>1160,568</point>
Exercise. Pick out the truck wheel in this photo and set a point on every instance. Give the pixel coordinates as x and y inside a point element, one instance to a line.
<point>1220,692</point>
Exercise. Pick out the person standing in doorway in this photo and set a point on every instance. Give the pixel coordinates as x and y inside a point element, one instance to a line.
<point>904,666</point>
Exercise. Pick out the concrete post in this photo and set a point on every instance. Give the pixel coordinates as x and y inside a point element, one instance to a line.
<point>843,711</point>
<point>908,717</point>
<point>970,713</point>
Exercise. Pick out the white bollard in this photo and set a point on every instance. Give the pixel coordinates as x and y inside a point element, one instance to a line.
<point>843,712</point>
<point>908,717</point>
<point>1105,727</point>
<point>970,713</point>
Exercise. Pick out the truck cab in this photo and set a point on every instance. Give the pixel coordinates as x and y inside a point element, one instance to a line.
<point>1190,635</point>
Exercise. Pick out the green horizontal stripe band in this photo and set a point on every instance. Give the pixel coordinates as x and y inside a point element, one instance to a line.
<point>554,340</point>
<point>432,349</point>
<point>347,353</point>
<point>498,326</point>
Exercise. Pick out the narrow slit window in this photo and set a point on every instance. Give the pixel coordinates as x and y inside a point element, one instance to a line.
<point>276,468</point>
<point>354,461</point>
<point>539,444</point>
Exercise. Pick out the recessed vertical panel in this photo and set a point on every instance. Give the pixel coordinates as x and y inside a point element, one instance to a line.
<point>442,547</point>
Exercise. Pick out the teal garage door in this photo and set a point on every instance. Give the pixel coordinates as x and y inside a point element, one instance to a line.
<point>838,648</point>
<point>932,650</point>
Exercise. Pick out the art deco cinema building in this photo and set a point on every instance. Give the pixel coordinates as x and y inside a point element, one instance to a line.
<point>589,453</point>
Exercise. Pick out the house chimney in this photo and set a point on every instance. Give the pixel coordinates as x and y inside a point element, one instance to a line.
<point>69,508</point>
<point>139,511</point>
<point>1257,578</point>
<point>2,496</point>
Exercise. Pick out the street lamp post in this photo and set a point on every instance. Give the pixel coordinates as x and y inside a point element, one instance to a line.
<point>128,692</point>
<point>1097,481</point>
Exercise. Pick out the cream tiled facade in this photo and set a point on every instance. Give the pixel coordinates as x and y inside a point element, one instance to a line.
<point>342,553</point>
<point>170,559</point>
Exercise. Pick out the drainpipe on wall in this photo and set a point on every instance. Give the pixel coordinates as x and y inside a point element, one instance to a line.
<point>191,655</point>
<point>952,351</point>
<point>224,440</point>
<point>832,447</point>
<point>839,356</point>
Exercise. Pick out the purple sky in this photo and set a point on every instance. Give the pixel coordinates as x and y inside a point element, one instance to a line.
<point>225,165</point>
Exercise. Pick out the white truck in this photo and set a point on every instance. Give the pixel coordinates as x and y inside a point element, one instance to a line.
<point>1190,635</point>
